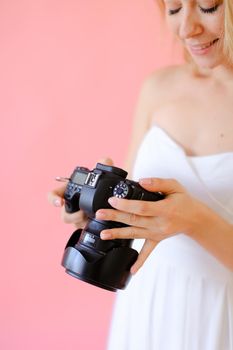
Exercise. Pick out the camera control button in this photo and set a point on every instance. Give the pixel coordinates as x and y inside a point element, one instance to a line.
<point>121,190</point>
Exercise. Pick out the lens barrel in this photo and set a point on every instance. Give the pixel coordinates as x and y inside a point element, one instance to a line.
<point>109,270</point>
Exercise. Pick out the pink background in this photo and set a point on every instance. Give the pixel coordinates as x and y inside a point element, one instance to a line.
<point>70,72</point>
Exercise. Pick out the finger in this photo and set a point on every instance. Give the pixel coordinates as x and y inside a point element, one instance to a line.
<point>77,218</point>
<point>146,250</point>
<point>106,161</point>
<point>124,233</point>
<point>138,207</point>
<point>55,197</point>
<point>126,218</point>
<point>166,186</point>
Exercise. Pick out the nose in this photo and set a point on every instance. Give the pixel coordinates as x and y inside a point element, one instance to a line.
<point>190,25</point>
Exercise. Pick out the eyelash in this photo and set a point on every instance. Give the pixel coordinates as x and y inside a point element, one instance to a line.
<point>208,10</point>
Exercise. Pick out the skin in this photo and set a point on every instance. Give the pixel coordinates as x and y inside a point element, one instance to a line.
<point>197,115</point>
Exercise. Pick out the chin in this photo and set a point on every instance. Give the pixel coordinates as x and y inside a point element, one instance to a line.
<point>207,63</point>
<point>208,59</point>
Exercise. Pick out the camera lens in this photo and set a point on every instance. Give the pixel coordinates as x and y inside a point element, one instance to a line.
<point>104,263</point>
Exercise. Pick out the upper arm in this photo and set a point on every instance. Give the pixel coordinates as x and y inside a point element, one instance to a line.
<point>142,118</point>
<point>154,92</point>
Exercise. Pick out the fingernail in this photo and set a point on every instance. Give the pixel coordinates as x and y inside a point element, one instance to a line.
<point>112,201</point>
<point>145,181</point>
<point>133,270</point>
<point>105,235</point>
<point>100,214</point>
<point>57,202</point>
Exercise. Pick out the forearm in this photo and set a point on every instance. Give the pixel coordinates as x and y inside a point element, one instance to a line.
<point>215,234</point>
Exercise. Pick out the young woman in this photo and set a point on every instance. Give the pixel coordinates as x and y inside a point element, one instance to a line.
<point>181,297</point>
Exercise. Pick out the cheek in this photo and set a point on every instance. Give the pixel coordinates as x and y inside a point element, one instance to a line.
<point>220,28</point>
<point>173,25</point>
<point>216,24</point>
<point>216,28</point>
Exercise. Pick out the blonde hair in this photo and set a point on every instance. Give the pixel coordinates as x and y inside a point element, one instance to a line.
<point>228,29</point>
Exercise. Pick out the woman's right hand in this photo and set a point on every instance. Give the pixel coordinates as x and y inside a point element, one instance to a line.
<point>56,198</point>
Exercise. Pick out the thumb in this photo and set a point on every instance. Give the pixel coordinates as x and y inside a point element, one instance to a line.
<point>106,161</point>
<point>55,197</point>
<point>166,186</point>
<point>147,248</point>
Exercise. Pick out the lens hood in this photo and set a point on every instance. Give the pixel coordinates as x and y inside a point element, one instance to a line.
<point>110,271</point>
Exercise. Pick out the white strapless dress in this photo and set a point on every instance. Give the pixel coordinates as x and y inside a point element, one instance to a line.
<point>182,298</point>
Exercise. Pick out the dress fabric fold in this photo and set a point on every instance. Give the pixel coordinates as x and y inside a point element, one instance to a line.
<point>182,297</point>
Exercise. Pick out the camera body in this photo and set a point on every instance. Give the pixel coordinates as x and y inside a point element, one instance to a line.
<point>105,264</point>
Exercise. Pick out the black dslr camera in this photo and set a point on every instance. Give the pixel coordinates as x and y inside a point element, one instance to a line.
<point>105,264</point>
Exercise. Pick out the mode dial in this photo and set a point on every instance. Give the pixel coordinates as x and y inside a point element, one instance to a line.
<point>121,190</point>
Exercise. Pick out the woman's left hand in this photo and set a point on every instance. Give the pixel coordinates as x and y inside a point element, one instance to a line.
<point>153,221</point>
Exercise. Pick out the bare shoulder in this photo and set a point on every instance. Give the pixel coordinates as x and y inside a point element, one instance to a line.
<point>167,72</point>
<point>167,84</point>
<point>158,87</point>
<point>157,90</point>
<point>167,76</point>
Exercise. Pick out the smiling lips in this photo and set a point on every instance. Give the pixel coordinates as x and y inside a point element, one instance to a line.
<point>202,48</point>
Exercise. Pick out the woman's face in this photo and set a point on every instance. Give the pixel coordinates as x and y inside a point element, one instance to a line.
<point>199,24</point>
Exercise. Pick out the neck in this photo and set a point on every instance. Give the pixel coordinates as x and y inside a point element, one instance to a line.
<point>222,73</point>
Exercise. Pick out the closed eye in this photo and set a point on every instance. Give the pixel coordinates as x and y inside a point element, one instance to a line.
<point>210,9</point>
<point>173,12</point>
<point>204,10</point>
